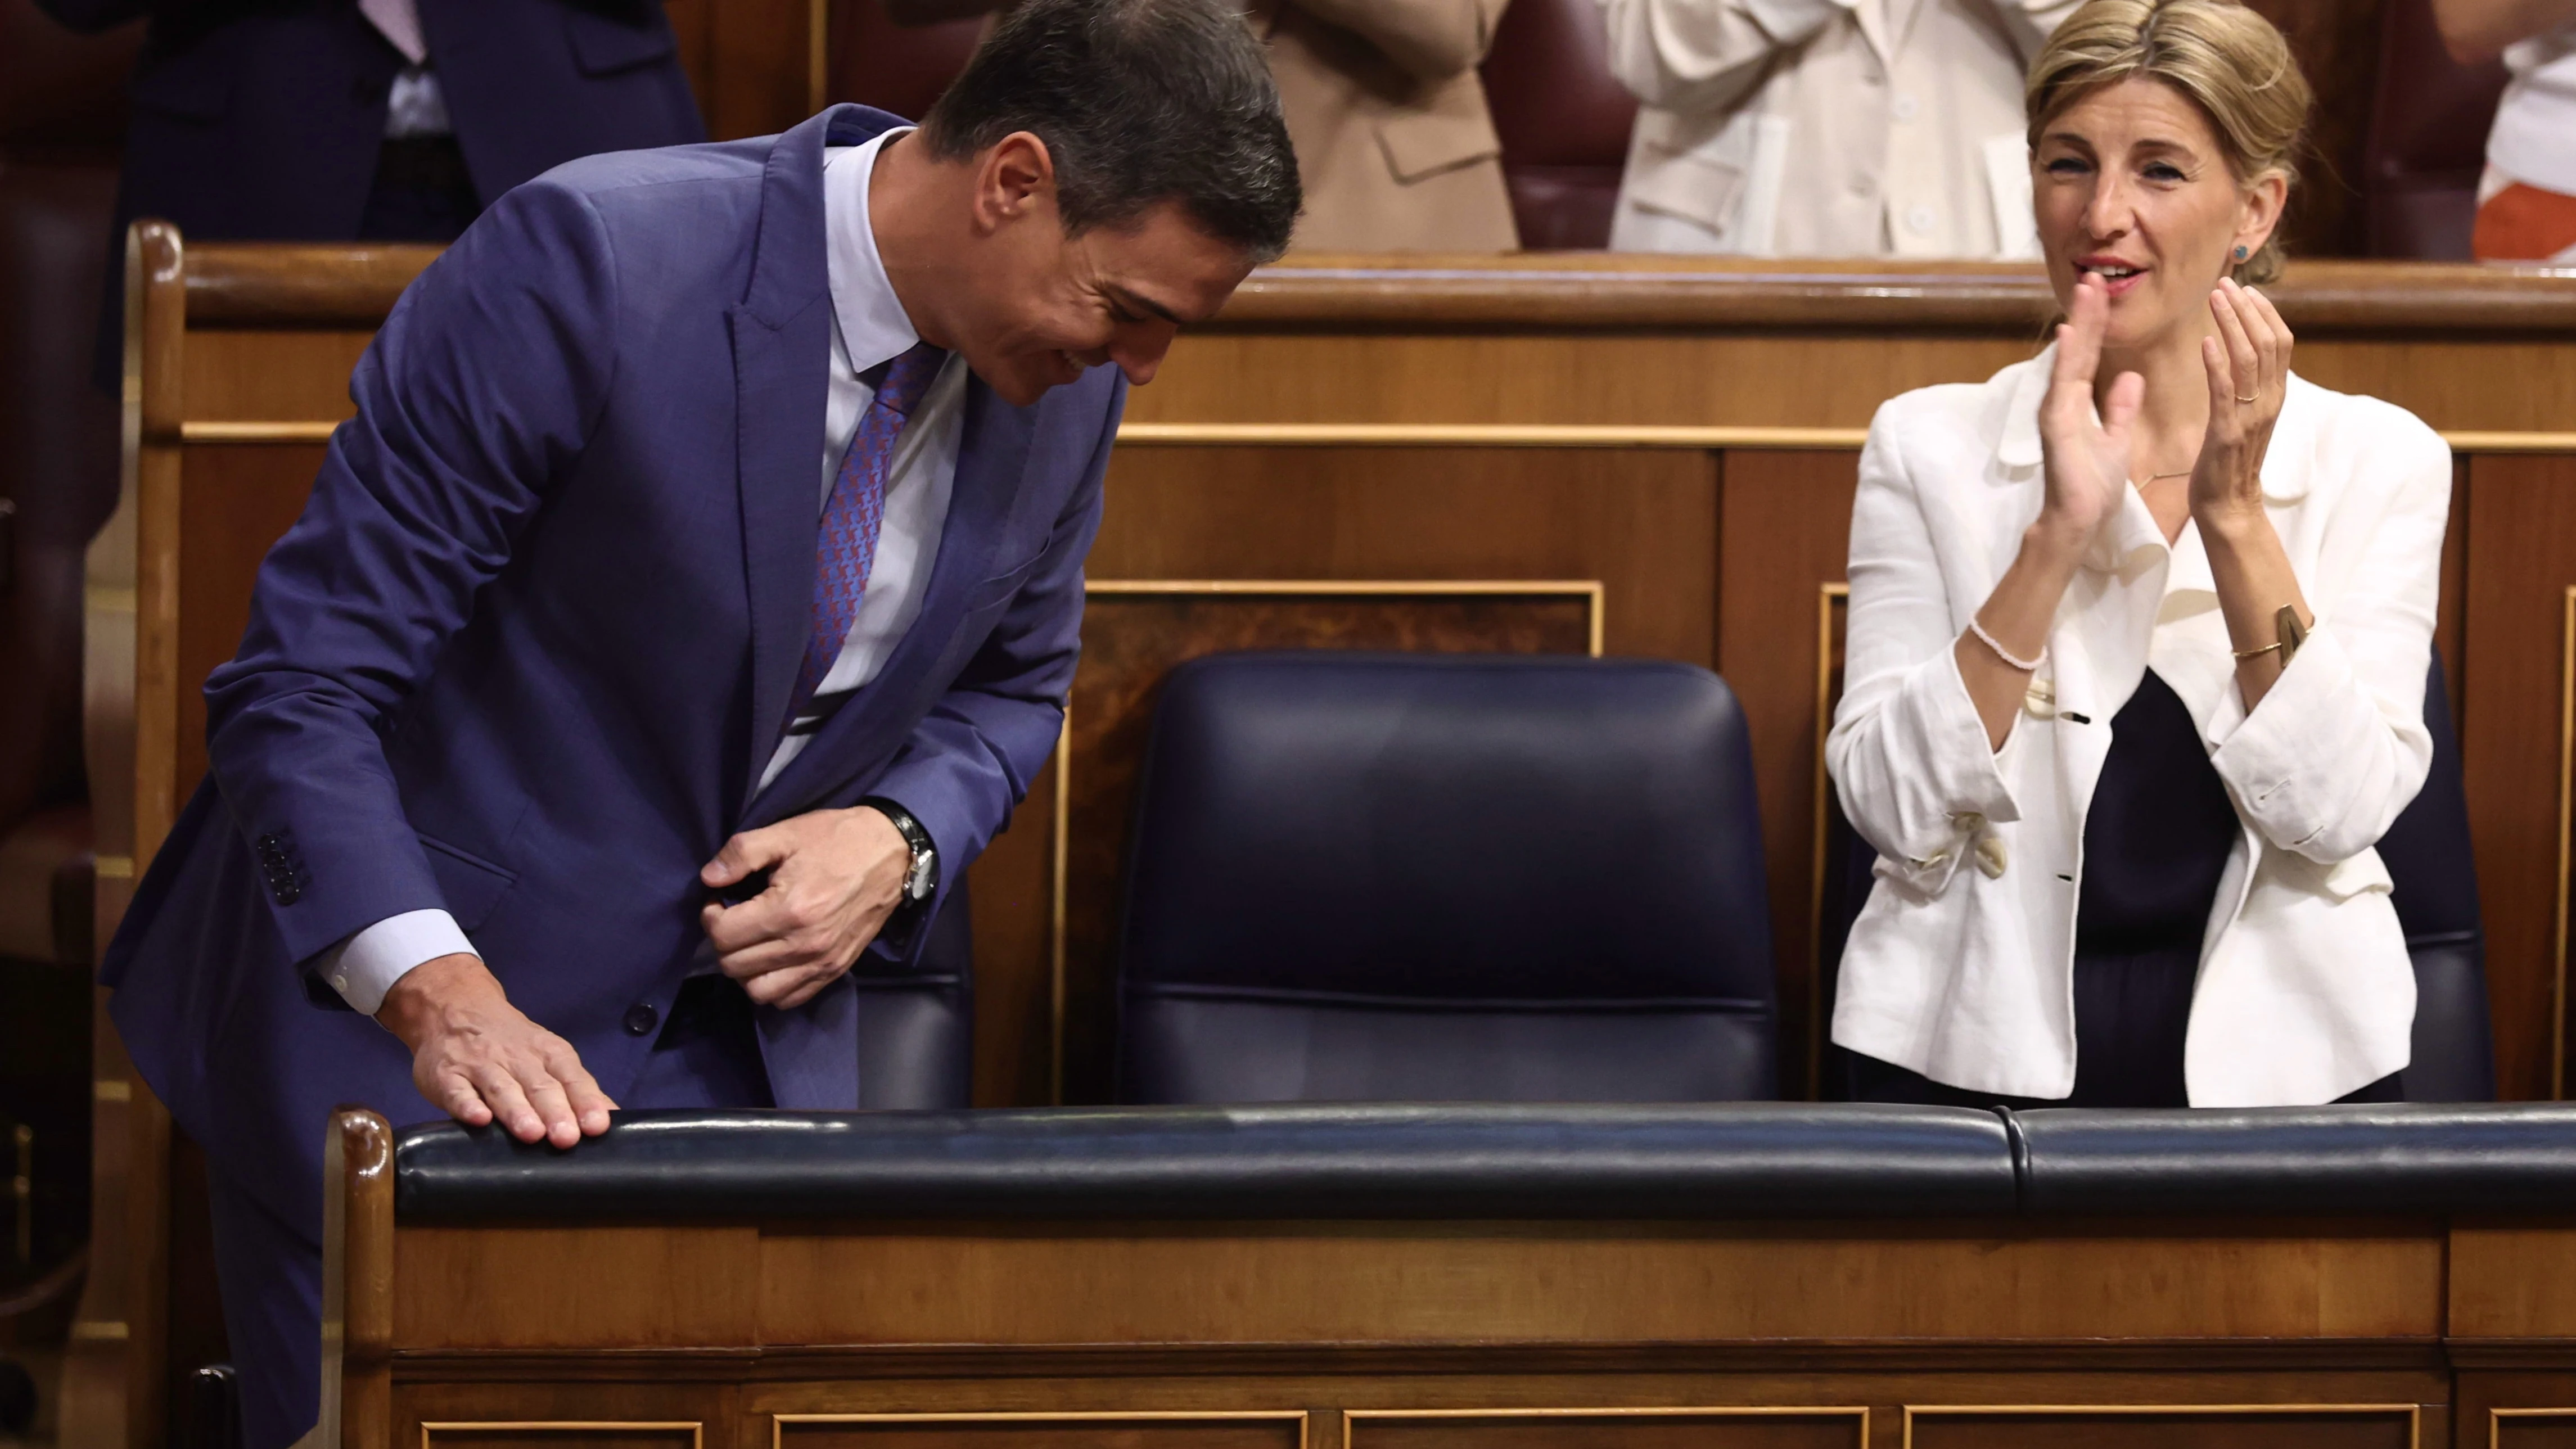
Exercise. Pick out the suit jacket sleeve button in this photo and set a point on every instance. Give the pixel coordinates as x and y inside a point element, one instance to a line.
<point>640,1018</point>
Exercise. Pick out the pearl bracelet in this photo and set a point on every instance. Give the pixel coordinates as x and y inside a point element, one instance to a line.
<point>2026,666</point>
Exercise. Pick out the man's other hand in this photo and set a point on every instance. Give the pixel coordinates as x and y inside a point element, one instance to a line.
<point>479,1059</point>
<point>834,878</point>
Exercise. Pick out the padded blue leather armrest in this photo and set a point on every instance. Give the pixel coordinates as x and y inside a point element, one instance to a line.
<point>2339,1161</point>
<point>1694,1162</point>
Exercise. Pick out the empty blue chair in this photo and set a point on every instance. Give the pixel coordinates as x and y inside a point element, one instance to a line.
<point>1445,877</point>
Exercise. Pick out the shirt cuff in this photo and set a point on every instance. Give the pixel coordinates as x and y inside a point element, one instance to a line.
<point>366,965</point>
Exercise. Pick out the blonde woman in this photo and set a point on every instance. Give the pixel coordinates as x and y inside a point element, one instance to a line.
<point>2138,638</point>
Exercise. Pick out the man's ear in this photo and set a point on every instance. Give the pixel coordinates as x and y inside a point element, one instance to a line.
<point>1013,179</point>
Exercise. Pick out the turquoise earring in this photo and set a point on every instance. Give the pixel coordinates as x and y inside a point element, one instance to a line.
<point>2240,254</point>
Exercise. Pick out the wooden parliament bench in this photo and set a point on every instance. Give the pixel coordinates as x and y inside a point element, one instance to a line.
<point>1572,452</point>
<point>1460,1277</point>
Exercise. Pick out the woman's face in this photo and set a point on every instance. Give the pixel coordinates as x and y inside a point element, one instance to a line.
<point>2130,183</point>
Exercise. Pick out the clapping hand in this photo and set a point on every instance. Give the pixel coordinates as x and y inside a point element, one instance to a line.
<point>2249,375</point>
<point>2086,457</point>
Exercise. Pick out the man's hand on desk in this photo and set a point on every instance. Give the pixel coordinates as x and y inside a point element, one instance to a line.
<point>478,1058</point>
<point>834,878</point>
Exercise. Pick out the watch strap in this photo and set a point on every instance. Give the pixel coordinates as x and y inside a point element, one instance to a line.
<point>924,875</point>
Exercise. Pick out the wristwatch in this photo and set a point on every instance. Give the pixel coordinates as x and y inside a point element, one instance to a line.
<point>924,875</point>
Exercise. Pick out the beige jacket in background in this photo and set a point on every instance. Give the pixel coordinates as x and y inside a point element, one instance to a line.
<point>1394,145</point>
<point>1827,127</point>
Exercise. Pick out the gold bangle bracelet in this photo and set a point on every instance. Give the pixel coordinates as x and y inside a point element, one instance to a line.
<point>2292,632</point>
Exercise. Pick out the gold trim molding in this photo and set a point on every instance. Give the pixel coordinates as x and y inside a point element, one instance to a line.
<point>2496,1418</point>
<point>1301,1418</point>
<point>2566,845</point>
<point>1858,1414</point>
<point>1589,590</point>
<point>697,1429</point>
<point>1828,595</point>
<point>1485,435</point>
<point>1420,435</point>
<point>2414,1412</point>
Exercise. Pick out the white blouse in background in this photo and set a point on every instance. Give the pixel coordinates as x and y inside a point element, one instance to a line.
<point>2534,140</point>
<point>1827,127</point>
<point>1960,966</point>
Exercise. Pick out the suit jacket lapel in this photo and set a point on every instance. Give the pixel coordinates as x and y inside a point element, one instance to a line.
<point>992,459</point>
<point>1872,16</point>
<point>779,398</point>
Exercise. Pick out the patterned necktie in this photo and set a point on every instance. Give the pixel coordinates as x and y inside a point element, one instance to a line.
<point>846,549</point>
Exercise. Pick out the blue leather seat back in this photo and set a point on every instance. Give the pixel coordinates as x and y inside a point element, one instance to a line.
<point>1445,877</point>
<point>917,1026</point>
<point>2428,857</point>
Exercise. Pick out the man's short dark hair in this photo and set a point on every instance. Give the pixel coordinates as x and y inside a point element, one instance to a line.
<point>1139,102</point>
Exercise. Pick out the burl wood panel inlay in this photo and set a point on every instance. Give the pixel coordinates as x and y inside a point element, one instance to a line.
<point>2223,1427</point>
<point>1071,1431</point>
<point>1130,643</point>
<point>1674,1429</point>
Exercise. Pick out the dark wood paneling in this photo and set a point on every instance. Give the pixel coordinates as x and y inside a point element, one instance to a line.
<point>2533,1429</point>
<point>1014,902</point>
<point>617,1287</point>
<point>759,77</point>
<point>1531,1283</point>
<point>1679,1429</point>
<point>2337,43</point>
<point>1644,523</point>
<point>1785,534</point>
<point>233,504</point>
<point>2521,561</point>
<point>2208,1429</point>
<point>2515,1410</point>
<point>633,1398</point>
<point>1109,1432</point>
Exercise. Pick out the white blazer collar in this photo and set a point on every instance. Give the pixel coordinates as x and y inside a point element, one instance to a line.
<point>2286,463</point>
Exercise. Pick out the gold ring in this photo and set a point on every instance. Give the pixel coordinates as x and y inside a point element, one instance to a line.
<point>2258,397</point>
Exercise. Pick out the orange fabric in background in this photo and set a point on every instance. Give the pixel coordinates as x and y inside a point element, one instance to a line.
<point>2524,224</point>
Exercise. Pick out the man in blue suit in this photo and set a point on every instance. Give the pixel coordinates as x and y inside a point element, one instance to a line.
<point>692,597</point>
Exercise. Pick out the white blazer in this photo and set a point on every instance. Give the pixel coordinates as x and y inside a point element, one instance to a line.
<point>1960,966</point>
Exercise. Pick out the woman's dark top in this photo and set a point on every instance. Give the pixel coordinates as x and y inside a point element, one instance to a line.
<point>2157,835</point>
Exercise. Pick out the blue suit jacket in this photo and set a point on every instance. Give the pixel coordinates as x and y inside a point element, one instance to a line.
<point>524,653</point>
